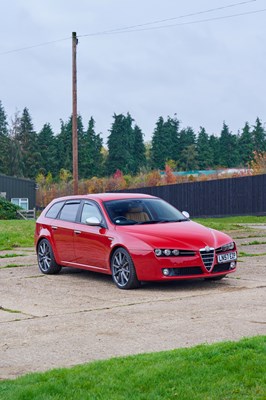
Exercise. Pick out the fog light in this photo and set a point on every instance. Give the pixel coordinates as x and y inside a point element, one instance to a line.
<point>166,271</point>
<point>232,265</point>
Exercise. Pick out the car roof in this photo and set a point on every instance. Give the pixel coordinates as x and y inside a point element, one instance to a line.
<point>106,196</point>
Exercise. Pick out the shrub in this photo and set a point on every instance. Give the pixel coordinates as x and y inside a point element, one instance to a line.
<point>169,177</point>
<point>258,165</point>
<point>7,209</point>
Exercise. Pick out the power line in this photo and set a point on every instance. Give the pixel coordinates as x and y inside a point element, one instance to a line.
<point>34,46</point>
<point>139,26</point>
<point>178,24</point>
<point>130,28</point>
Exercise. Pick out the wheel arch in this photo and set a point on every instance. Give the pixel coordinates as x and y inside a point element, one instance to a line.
<point>132,281</point>
<point>49,239</point>
<point>117,246</point>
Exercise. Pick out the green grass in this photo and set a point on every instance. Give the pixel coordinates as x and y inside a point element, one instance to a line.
<point>253,235</point>
<point>12,255</point>
<point>255,242</point>
<point>231,223</point>
<point>10,311</point>
<point>16,233</point>
<point>243,254</point>
<point>231,370</point>
<point>12,266</point>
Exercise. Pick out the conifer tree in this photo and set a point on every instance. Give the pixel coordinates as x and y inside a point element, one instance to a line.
<point>4,142</point>
<point>171,127</point>
<point>138,150</point>
<point>204,150</point>
<point>91,158</point>
<point>27,139</point>
<point>188,158</point>
<point>47,148</point>
<point>229,154</point>
<point>259,137</point>
<point>121,145</point>
<point>186,138</point>
<point>15,165</point>
<point>214,145</point>
<point>159,151</point>
<point>246,145</point>
<point>187,144</point>
<point>64,145</point>
<point>164,142</point>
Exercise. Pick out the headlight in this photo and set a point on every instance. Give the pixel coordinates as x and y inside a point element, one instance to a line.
<point>228,246</point>
<point>166,252</point>
<point>176,252</point>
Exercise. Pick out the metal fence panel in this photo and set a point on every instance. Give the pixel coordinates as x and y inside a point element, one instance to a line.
<point>221,197</point>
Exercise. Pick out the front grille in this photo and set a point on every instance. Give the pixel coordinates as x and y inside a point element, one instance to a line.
<point>186,271</point>
<point>221,268</point>
<point>207,258</point>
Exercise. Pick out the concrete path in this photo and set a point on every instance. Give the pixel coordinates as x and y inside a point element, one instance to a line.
<point>79,316</point>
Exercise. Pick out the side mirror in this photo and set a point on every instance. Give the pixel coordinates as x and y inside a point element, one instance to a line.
<point>93,221</point>
<point>186,214</point>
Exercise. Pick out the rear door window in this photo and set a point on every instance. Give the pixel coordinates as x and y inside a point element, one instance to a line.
<point>69,211</point>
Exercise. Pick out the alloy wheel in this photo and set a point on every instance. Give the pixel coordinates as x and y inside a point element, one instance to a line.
<point>121,268</point>
<point>44,256</point>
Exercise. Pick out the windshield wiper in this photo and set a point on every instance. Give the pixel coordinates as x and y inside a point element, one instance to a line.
<point>174,220</point>
<point>161,221</point>
<point>154,221</point>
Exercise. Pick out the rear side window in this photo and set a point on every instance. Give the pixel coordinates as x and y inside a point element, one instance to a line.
<point>69,212</point>
<point>54,210</point>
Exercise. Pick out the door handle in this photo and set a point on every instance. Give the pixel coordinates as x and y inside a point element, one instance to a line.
<point>77,232</point>
<point>54,227</point>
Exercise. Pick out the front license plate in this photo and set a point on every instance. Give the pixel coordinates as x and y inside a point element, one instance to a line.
<point>222,258</point>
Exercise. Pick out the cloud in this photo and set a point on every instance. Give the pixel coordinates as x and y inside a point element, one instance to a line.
<point>205,73</point>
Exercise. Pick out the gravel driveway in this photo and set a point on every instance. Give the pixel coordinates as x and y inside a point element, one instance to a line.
<point>79,316</point>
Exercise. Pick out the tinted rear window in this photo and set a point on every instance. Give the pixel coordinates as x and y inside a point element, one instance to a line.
<point>54,210</point>
<point>69,212</point>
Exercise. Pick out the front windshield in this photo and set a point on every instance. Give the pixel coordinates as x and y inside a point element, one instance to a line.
<point>142,211</point>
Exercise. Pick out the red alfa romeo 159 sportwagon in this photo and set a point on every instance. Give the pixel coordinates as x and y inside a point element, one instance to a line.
<point>133,237</point>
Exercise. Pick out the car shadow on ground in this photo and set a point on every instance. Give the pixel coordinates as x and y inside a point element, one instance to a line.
<point>98,278</point>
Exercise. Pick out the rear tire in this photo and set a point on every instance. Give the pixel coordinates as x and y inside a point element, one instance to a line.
<point>46,260</point>
<point>123,270</point>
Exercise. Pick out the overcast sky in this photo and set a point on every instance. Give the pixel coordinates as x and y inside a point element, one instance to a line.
<point>204,72</point>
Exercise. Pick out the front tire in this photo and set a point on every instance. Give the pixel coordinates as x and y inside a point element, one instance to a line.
<point>46,260</point>
<point>123,270</point>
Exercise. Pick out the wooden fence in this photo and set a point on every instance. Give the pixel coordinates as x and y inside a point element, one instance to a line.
<point>27,214</point>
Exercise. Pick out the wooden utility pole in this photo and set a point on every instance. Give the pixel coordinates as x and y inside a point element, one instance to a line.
<point>74,113</point>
